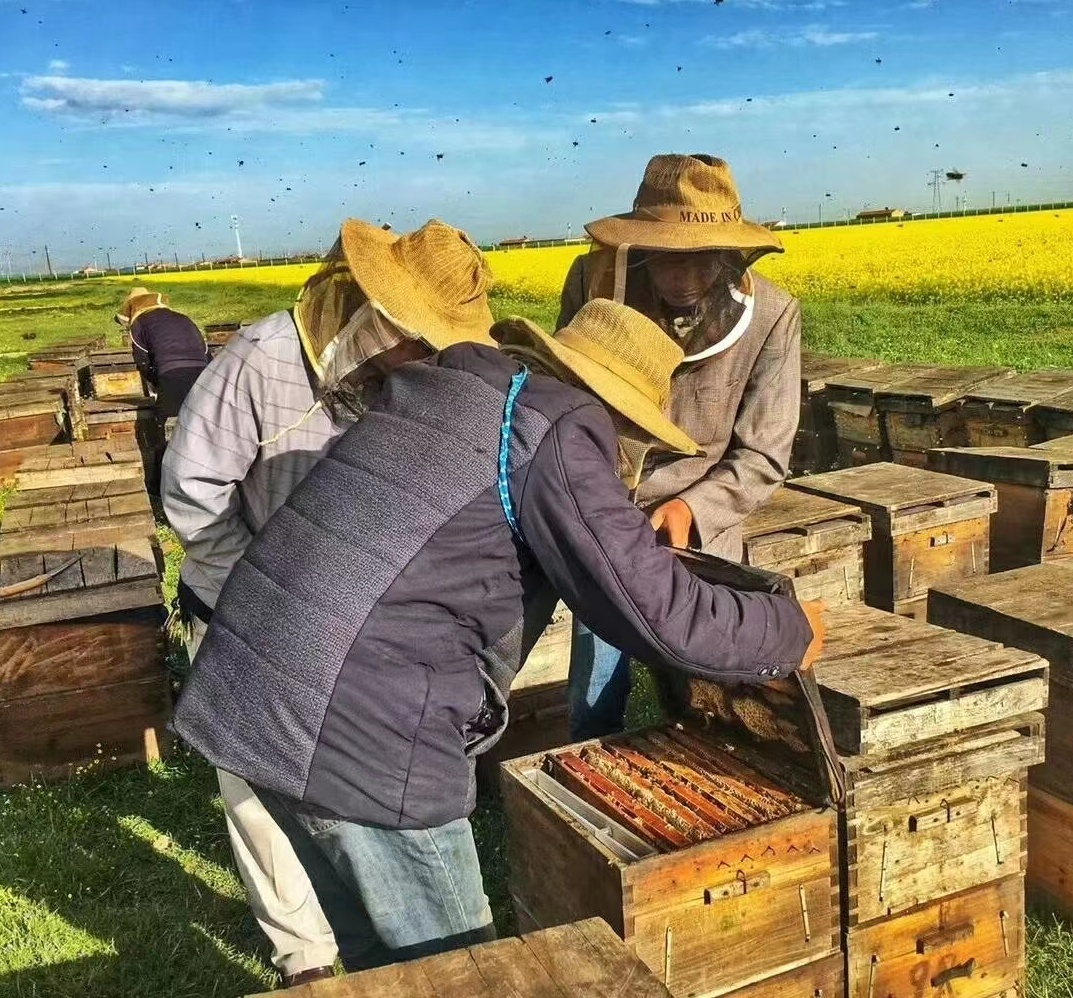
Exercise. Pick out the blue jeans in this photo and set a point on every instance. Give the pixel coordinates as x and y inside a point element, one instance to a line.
<point>599,685</point>
<point>389,894</point>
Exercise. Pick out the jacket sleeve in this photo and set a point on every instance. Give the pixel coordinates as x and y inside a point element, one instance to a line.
<point>600,553</point>
<point>139,348</point>
<point>758,458</point>
<point>573,293</point>
<point>211,451</point>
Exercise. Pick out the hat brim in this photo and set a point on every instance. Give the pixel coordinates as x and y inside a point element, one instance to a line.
<point>606,385</point>
<point>367,249</point>
<point>644,233</point>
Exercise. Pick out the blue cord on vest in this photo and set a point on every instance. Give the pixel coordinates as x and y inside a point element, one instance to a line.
<point>516,384</point>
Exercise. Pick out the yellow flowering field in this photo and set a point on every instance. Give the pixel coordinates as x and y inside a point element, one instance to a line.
<point>1020,257</point>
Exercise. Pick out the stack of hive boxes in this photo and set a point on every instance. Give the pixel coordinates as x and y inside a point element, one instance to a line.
<point>1004,413</point>
<point>113,374</point>
<point>816,443</point>
<point>935,731</point>
<point>927,528</point>
<point>1032,608</point>
<point>82,678</point>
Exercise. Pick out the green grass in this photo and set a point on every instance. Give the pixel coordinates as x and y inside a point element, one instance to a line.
<point>117,884</point>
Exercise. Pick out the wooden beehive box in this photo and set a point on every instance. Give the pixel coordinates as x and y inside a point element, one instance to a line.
<point>817,542</point>
<point>924,411</point>
<point>581,960</point>
<point>1002,413</point>
<point>889,682</point>
<point>218,333</point>
<point>82,679</point>
<point>128,423</point>
<point>816,444</point>
<point>969,946</point>
<point>1034,519</point>
<point>61,383</point>
<point>709,916</point>
<point>64,354</point>
<point>927,529</point>
<point>113,374</point>
<point>1055,416</point>
<point>851,398</point>
<point>1030,608</point>
<point>823,978</point>
<point>30,419</point>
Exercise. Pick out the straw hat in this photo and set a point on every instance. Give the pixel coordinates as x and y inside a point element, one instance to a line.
<point>625,359</point>
<point>433,282</point>
<point>139,300</point>
<point>686,203</point>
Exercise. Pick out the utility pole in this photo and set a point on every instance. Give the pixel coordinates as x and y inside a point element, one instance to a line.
<point>820,206</point>
<point>108,257</point>
<point>936,183</point>
<point>238,239</point>
<point>48,261</point>
<point>992,199</point>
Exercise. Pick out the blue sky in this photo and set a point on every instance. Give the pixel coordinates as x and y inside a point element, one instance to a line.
<point>136,128</point>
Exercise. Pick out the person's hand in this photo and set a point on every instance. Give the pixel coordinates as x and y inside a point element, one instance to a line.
<point>674,522</point>
<point>814,610</point>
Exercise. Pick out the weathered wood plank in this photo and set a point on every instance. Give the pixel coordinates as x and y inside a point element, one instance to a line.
<point>1050,849</point>
<point>935,387</point>
<point>30,480</point>
<point>79,604</point>
<point>787,510</point>
<point>1043,469</point>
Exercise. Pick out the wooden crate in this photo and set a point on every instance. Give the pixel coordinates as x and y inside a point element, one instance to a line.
<point>923,411</point>
<point>218,333</point>
<point>82,679</point>
<point>968,946</point>
<point>888,682</point>
<point>851,398</point>
<point>817,542</point>
<point>581,960</point>
<point>927,528</point>
<point>129,424</point>
<point>1029,608</point>
<point>1034,519</point>
<point>65,354</point>
<point>61,383</point>
<point>815,445</point>
<point>31,419</point>
<point>823,978</point>
<point>1003,413</point>
<point>113,374</point>
<point>1055,416</point>
<point>1050,850</point>
<point>710,918</point>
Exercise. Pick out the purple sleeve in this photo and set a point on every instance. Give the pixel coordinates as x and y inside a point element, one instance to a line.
<point>601,554</point>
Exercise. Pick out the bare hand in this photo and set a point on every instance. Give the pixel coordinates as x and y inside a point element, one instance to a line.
<point>674,522</point>
<point>814,610</point>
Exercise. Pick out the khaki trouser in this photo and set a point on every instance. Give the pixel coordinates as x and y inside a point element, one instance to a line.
<point>277,886</point>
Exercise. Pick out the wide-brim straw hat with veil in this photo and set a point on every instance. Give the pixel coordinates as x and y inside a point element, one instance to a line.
<point>376,288</point>
<point>623,358</point>
<point>139,300</point>
<point>685,204</point>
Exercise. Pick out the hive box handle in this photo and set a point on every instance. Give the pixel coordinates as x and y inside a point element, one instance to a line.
<point>945,937</point>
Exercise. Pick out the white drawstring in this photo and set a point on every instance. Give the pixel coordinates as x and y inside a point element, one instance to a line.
<point>294,426</point>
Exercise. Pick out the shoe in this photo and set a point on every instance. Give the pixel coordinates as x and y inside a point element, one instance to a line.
<point>308,976</point>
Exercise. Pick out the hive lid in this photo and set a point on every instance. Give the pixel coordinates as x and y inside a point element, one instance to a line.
<point>888,681</point>
<point>787,715</point>
<point>818,368</point>
<point>1045,469</point>
<point>790,509</point>
<point>1024,389</point>
<point>868,381</point>
<point>889,487</point>
<point>935,387</point>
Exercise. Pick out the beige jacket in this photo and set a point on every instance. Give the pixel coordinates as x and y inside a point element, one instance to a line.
<point>741,406</point>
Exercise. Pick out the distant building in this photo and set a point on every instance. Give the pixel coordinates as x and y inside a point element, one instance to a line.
<point>876,214</point>
<point>774,223</point>
<point>518,242</point>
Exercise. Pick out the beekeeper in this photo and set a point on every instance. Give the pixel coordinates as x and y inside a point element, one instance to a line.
<point>269,406</point>
<point>682,257</point>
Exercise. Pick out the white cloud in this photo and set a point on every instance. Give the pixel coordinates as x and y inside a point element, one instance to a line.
<point>58,66</point>
<point>814,34</point>
<point>163,99</point>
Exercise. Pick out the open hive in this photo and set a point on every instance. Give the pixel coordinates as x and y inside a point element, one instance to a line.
<point>113,374</point>
<point>706,844</point>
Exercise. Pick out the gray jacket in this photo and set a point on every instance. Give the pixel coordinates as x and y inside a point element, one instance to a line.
<point>741,406</point>
<point>232,459</point>
<point>361,652</point>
